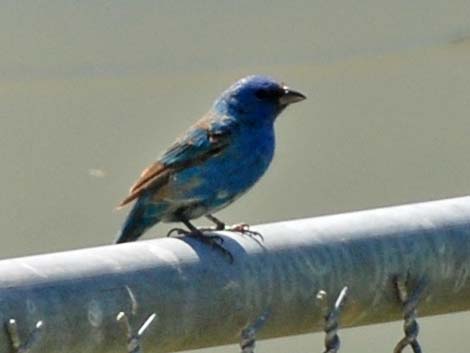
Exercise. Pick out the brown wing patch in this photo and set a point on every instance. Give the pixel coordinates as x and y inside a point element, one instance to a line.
<point>147,174</point>
<point>157,175</point>
<point>154,175</point>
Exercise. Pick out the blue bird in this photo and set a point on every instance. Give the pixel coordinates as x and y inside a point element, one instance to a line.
<point>215,162</point>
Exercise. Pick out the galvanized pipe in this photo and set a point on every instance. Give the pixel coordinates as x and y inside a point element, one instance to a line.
<point>200,299</point>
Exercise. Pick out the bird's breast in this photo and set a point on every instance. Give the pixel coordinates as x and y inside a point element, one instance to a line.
<point>245,160</point>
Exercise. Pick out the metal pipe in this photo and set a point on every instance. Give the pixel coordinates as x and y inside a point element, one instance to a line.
<point>200,299</point>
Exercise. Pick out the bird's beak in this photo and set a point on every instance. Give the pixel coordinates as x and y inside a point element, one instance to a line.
<point>290,96</point>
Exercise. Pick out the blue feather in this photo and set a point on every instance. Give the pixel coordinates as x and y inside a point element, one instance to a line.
<point>216,161</point>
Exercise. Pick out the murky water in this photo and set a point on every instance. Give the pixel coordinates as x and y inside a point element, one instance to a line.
<point>91,93</point>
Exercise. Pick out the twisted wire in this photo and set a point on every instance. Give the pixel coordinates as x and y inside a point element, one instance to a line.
<point>19,346</point>
<point>248,334</point>
<point>248,340</point>
<point>133,339</point>
<point>332,341</point>
<point>410,325</point>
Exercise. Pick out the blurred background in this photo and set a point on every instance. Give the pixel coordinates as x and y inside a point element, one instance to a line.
<point>91,92</point>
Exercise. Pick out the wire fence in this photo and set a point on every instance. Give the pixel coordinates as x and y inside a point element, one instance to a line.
<point>303,276</point>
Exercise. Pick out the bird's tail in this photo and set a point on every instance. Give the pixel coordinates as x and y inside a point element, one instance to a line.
<point>141,217</point>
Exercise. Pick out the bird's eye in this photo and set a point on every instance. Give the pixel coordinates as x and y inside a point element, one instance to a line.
<point>262,94</point>
<point>269,94</point>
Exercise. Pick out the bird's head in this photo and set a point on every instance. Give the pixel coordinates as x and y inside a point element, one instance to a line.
<point>256,99</point>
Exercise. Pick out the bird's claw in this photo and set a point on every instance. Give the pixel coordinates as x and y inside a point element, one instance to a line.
<point>177,231</point>
<point>244,229</point>
<point>181,231</point>
<point>215,241</point>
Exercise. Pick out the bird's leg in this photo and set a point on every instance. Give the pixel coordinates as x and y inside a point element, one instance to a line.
<point>242,228</point>
<point>193,229</point>
<point>212,240</point>
<point>199,232</point>
<point>219,225</point>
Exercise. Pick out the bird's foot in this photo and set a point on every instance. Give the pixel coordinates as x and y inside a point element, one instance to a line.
<point>215,241</point>
<point>244,229</point>
<point>198,231</point>
<point>177,231</point>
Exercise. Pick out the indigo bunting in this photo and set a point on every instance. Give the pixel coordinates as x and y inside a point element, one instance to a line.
<point>216,161</point>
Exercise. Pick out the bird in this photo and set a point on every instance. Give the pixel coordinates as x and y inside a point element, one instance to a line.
<point>213,163</point>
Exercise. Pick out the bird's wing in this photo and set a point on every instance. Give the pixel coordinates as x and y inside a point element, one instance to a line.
<point>205,139</point>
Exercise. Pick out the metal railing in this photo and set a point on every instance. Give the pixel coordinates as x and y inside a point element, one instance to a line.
<point>301,276</point>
